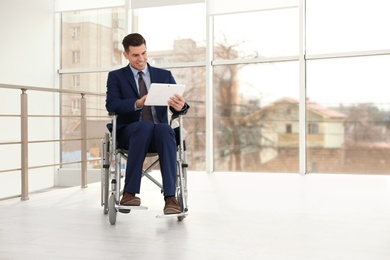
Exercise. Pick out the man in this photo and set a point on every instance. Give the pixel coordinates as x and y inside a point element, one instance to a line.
<point>143,128</point>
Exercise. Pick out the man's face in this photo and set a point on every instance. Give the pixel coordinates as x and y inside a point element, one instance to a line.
<point>137,56</point>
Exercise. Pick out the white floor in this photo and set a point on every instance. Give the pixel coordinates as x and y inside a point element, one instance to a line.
<point>231,216</point>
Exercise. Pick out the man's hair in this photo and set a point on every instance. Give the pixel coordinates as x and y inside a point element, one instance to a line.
<point>133,39</point>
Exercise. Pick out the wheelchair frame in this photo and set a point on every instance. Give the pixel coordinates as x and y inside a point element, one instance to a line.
<point>111,174</point>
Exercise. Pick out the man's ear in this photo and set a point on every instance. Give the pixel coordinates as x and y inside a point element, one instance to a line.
<point>125,55</point>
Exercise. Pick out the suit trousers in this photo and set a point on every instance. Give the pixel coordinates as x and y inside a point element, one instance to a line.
<point>141,137</point>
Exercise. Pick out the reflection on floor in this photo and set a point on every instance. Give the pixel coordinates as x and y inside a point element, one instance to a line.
<point>231,216</point>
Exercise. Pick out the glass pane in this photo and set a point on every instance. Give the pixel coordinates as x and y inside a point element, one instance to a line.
<point>66,5</point>
<point>177,35</point>
<point>195,120</point>
<point>97,120</point>
<point>93,38</point>
<point>256,117</point>
<point>349,114</point>
<point>257,34</point>
<point>348,25</point>
<point>70,153</point>
<point>234,6</point>
<point>85,82</point>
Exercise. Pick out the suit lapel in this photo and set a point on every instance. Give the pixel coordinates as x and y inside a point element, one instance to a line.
<point>130,77</point>
<point>152,73</point>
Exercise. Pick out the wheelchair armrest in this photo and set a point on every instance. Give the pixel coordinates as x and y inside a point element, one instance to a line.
<point>176,114</point>
<point>177,117</point>
<point>173,117</point>
<point>179,114</point>
<point>110,125</point>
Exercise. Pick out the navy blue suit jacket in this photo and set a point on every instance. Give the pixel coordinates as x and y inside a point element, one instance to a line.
<point>122,94</point>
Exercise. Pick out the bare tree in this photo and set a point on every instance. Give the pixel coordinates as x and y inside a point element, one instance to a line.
<point>365,123</point>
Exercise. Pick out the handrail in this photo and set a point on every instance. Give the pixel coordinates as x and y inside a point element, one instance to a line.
<point>44,89</point>
<point>24,142</point>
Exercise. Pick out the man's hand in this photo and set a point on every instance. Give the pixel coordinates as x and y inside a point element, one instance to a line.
<point>177,102</point>
<point>140,102</point>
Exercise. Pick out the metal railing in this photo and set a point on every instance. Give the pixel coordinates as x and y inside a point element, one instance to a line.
<point>24,142</point>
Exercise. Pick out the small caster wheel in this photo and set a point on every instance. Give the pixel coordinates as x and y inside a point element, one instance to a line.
<point>112,210</point>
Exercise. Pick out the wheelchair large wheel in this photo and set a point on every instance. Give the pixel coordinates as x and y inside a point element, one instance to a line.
<point>106,191</point>
<point>181,204</point>
<point>105,172</point>
<point>112,212</point>
<point>181,199</point>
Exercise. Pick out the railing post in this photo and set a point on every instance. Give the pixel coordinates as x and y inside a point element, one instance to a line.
<point>24,144</point>
<point>84,182</point>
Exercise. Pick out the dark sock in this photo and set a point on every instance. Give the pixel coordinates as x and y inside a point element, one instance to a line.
<point>166,197</point>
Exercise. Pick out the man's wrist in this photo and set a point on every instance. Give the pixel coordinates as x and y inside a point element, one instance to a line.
<point>136,105</point>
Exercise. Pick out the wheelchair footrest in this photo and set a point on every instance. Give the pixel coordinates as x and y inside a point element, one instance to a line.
<point>182,214</point>
<point>131,207</point>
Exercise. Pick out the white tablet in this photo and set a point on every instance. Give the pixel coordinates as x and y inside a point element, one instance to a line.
<point>159,94</point>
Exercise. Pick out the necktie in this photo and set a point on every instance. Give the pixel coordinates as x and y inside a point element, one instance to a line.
<point>146,110</point>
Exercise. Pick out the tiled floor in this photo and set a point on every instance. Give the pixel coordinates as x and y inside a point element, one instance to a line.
<point>231,216</point>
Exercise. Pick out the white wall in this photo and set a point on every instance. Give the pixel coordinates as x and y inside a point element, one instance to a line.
<point>334,134</point>
<point>27,45</point>
<point>27,58</point>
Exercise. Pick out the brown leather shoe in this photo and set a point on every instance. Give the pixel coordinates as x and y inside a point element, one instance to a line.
<point>129,199</point>
<point>171,206</point>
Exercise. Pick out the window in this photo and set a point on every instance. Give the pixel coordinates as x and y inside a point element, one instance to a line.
<point>250,103</point>
<point>181,48</point>
<point>259,40</point>
<point>288,129</point>
<point>76,33</point>
<point>347,100</point>
<point>76,57</point>
<point>313,128</point>
<point>76,106</point>
<point>97,34</point>
<point>337,26</point>
<point>186,42</point>
<point>256,80</point>
<point>75,80</point>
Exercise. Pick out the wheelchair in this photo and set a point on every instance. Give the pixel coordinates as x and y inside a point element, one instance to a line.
<point>111,174</point>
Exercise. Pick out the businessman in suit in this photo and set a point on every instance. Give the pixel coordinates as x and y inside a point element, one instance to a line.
<point>143,128</point>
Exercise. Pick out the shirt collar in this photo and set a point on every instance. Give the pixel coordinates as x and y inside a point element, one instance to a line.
<point>135,72</point>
